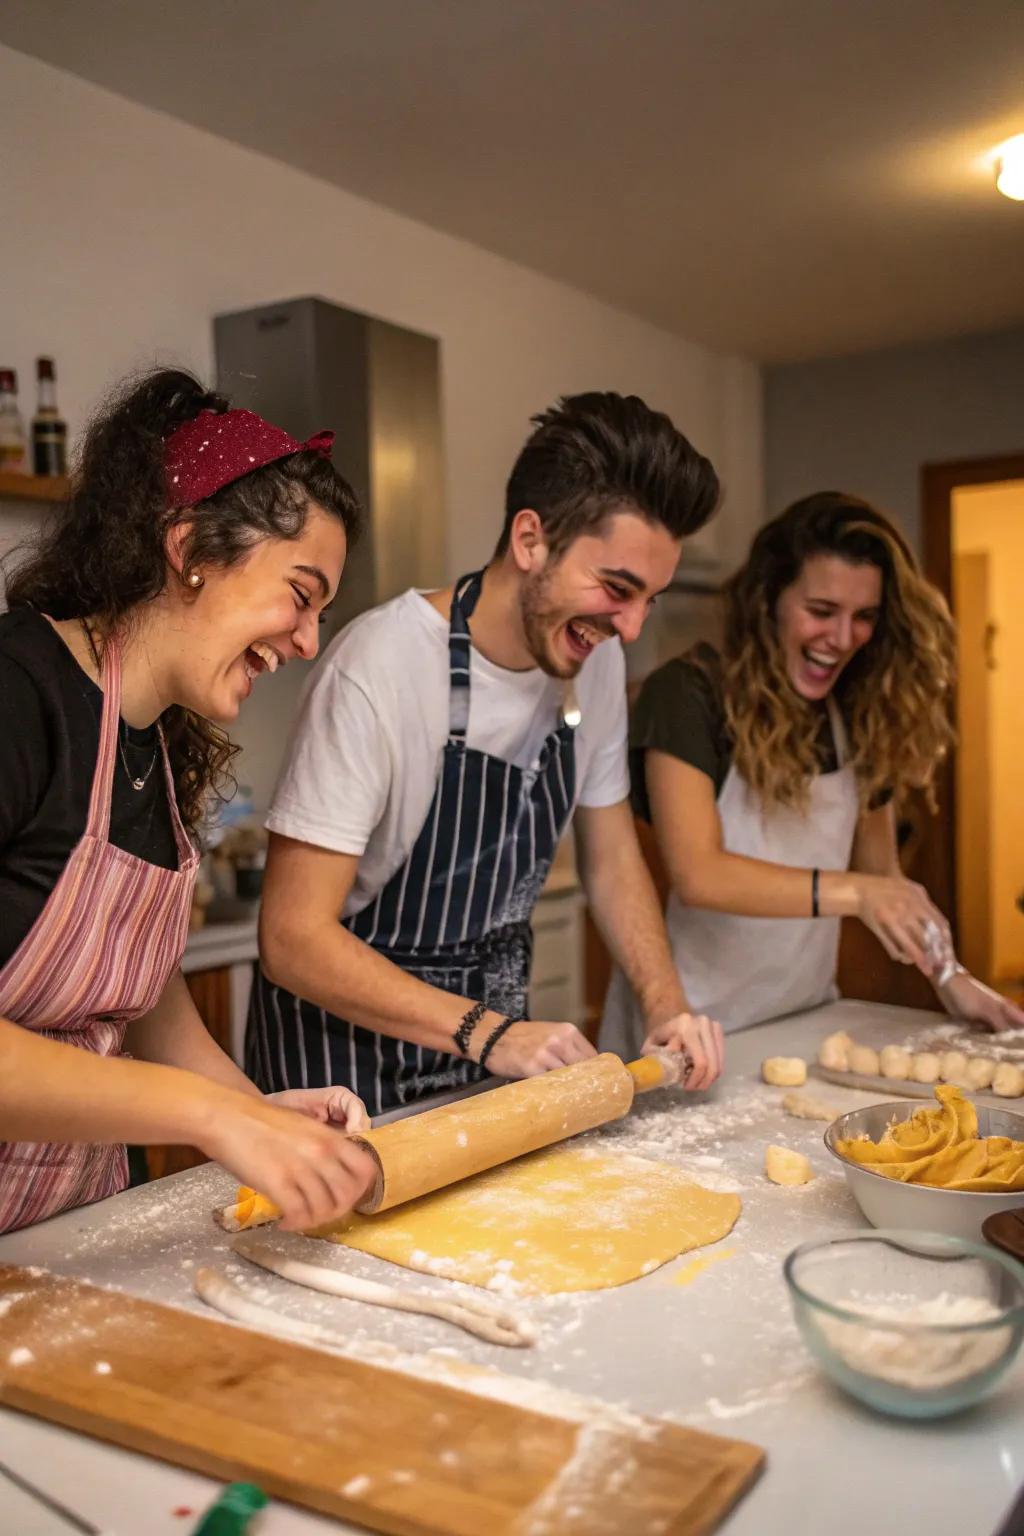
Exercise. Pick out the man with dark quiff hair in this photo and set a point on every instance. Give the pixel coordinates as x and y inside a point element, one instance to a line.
<point>445,744</point>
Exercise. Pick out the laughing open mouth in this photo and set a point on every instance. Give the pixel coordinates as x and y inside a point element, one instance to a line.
<point>260,657</point>
<point>582,638</point>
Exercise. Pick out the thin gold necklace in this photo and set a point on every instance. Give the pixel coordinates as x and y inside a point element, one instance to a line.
<point>135,782</point>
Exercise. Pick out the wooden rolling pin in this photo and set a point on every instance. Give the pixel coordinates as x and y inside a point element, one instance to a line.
<point>442,1146</point>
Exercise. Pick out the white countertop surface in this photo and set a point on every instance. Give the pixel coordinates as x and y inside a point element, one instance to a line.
<point>719,1351</point>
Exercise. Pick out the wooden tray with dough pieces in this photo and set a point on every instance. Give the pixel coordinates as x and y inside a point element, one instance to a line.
<point>877,1035</point>
<point>900,1088</point>
<point>389,1451</point>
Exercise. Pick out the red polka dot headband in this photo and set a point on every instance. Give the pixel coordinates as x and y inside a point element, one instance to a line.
<point>218,447</point>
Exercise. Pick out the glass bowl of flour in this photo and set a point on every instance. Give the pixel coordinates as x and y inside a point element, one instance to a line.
<point>912,1323</point>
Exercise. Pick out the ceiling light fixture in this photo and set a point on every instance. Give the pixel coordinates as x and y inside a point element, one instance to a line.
<point>1010,168</point>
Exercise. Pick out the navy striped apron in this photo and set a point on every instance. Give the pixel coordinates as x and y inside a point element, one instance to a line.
<point>456,914</point>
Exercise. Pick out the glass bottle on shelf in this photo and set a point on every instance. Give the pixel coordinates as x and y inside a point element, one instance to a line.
<point>13,444</point>
<point>49,432</point>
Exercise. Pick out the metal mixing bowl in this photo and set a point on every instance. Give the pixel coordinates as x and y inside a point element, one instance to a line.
<point>888,1203</point>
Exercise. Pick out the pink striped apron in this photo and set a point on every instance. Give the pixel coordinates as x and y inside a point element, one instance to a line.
<point>100,953</point>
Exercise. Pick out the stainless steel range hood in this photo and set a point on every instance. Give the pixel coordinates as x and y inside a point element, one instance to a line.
<point>306,365</point>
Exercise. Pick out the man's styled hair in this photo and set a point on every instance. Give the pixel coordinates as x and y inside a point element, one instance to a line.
<point>599,451</point>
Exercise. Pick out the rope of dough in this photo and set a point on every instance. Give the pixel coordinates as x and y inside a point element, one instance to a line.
<point>223,1295</point>
<point>487,1322</point>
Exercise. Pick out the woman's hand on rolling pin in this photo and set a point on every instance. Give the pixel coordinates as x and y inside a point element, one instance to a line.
<point>331,1106</point>
<point>699,1037</point>
<point>529,1048</point>
<point>314,1174</point>
<point>901,915</point>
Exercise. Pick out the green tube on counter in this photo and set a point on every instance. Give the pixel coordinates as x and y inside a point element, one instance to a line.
<point>232,1512</point>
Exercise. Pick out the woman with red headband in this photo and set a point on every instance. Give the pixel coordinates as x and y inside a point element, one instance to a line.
<point>197,550</point>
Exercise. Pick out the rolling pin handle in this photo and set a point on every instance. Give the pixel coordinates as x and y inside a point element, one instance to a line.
<point>661,1069</point>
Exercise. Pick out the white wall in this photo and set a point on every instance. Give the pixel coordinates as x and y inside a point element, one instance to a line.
<point>123,231</point>
<point>866,424</point>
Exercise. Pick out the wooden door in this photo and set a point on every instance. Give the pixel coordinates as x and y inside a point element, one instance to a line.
<point>974,784</point>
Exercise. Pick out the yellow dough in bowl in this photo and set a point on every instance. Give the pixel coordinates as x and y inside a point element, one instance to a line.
<point>941,1147</point>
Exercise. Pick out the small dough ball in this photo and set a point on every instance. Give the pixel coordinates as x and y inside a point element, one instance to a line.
<point>834,1052</point>
<point>924,1067</point>
<point>980,1071</point>
<point>786,1167</point>
<point>864,1060</point>
<point>953,1067</point>
<point>784,1071</point>
<point>804,1107</point>
<point>1008,1081</point>
<point>894,1061</point>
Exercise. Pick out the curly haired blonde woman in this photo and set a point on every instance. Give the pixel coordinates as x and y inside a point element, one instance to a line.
<point>770,773</point>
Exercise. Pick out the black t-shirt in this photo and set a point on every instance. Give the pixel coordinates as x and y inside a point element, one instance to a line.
<point>680,710</point>
<point>49,738</point>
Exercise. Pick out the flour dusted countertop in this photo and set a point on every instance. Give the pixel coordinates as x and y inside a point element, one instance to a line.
<point>707,1340</point>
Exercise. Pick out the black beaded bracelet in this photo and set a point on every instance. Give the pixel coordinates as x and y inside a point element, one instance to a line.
<point>493,1038</point>
<point>470,1019</point>
<point>815,877</point>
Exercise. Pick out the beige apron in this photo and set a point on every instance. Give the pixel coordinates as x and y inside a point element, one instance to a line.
<point>744,970</point>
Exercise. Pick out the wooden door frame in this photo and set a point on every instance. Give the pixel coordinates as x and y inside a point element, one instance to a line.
<point>938,483</point>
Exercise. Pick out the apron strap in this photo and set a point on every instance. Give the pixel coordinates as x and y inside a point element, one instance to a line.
<point>464,599</point>
<point>98,823</point>
<point>186,848</point>
<point>840,740</point>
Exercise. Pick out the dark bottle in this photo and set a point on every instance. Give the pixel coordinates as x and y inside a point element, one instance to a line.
<point>49,432</point>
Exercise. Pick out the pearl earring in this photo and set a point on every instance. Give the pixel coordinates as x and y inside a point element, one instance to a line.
<point>195,580</point>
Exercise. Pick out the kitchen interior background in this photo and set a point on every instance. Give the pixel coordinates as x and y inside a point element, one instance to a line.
<point>124,231</point>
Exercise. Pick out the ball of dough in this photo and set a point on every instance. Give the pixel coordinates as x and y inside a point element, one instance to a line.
<point>784,1071</point>
<point>894,1061</point>
<point>786,1167</point>
<point>804,1107</point>
<point>864,1060</point>
<point>980,1071</point>
<point>834,1052</point>
<point>953,1067</point>
<point>1008,1081</point>
<point>924,1067</point>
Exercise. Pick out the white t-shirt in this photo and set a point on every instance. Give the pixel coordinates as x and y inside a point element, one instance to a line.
<point>373,721</point>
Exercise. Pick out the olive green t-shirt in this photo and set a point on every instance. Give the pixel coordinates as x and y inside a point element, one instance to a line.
<point>680,710</point>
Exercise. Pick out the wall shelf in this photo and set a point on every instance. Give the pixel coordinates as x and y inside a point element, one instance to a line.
<point>33,487</point>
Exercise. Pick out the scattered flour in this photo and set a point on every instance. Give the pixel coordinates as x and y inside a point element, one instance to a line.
<point>602,1463</point>
<point>357,1486</point>
<point>20,1356</point>
<point>102,1367</point>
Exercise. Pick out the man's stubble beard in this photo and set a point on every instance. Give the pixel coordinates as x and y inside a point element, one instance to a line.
<point>537,618</point>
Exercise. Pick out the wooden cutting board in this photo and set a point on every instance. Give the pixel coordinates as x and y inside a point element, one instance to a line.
<point>382,1448</point>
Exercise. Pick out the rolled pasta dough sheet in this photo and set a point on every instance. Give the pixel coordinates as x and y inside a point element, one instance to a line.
<point>563,1219</point>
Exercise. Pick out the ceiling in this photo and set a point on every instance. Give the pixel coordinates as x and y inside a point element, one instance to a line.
<point>780,178</point>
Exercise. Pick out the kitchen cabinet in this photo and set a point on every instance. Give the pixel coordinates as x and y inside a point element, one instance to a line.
<point>211,993</point>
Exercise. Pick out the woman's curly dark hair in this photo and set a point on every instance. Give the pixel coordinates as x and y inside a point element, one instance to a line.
<point>103,553</point>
